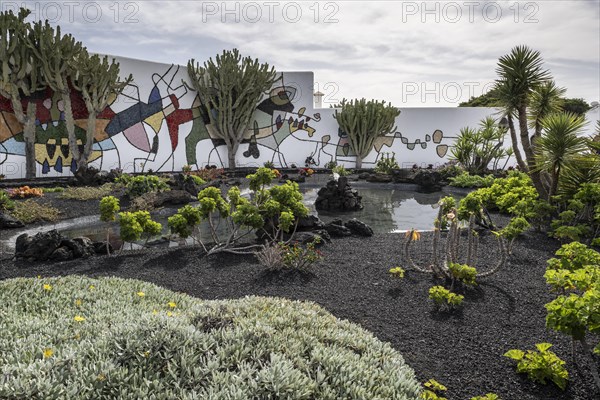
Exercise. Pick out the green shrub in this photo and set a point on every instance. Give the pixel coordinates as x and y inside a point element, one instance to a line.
<point>340,170</point>
<point>134,225</point>
<point>138,185</point>
<point>330,164</point>
<point>300,257</point>
<point>113,338</point>
<point>465,180</point>
<point>397,272</point>
<point>109,206</point>
<point>269,164</point>
<point>6,203</point>
<point>463,273</point>
<point>386,164</point>
<point>445,299</point>
<point>541,365</point>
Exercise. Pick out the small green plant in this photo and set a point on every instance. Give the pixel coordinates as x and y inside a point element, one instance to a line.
<point>445,299</point>
<point>186,169</point>
<point>397,272</point>
<point>432,390</point>
<point>30,211</point>
<point>463,273</point>
<point>185,221</point>
<point>386,164</point>
<point>300,257</point>
<point>269,164</point>
<point>340,170</point>
<point>515,227</point>
<point>330,164</point>
<point>135,224</point>
<point>109,207</point>
<point>540,365</point>
<point>489,396</point>
<point>196,179</point>
<point>6,203</point>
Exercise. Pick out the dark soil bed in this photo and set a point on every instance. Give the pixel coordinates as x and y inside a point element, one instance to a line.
<point>463,350</point>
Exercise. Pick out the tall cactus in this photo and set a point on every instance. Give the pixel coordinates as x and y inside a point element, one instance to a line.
<point>56,52</point>
<point>99,83</point>
<point>230,88</point>
<point>364,121</point>
<point>21,76</point>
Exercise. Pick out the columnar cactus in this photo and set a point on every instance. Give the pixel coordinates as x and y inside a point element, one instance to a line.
<point>230,88</point>
<point>99,83</point>
<point>364,121</point>
<point>55,53</point>
<point>21,75</point>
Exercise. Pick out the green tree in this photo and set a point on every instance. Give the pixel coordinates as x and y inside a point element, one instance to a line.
<point>21,76</point>
<point>230,87</point>
<point>364,121</point>
<point>560,143</point>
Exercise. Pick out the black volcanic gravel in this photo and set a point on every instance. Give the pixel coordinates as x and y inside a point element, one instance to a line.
<point>462,350</point>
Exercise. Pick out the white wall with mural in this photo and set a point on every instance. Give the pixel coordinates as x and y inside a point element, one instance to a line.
<point>157,124</point>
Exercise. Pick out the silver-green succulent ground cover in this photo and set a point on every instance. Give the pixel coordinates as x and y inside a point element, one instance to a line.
<point>107,338</point>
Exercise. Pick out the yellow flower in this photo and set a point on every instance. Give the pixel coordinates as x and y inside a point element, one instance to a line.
<point>141,294</point>
<point>48,353</point>
<point>92,287</point>
<point>154,312</point>
<point>78,318</point>
<point>78,302</point>
<point>39,277</point>
<point>146,354</point>
<point>172,304</point>
<point>47,287</point>
<point>101,377</point>
<point>169,314</point>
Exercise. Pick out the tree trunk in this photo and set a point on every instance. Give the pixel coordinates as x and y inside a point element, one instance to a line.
<point>70,125</point>
<point>515,144</point>
<point>29,136</point>
<point>530,155</point>
<point>359,160</point>
<point>231,150</point>
<point>89,141</point>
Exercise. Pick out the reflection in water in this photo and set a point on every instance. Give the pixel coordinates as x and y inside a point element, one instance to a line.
<point>387,208</point>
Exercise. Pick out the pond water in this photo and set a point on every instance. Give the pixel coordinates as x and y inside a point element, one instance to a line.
<point>387,208</point>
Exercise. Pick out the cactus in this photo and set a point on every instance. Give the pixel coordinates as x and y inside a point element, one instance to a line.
<point>98,81</point>
<point>56,52</point>
<point>21,75</point>
<point>364,121</point>
<point>229,89</point>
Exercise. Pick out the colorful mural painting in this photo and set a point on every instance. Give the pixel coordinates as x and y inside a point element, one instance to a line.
<point>157,124</point>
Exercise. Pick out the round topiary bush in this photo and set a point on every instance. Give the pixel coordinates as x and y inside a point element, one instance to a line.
<point>109,338</point>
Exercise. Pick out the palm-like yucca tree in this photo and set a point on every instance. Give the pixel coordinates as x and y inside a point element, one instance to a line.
<point>547,99</point>
<point>559,144</point>
<point>520,74</point>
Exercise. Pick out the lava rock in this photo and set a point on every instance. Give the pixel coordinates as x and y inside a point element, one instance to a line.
<point>307,237</point>
<point>63,253</point>
<point>160,199</point>
<point>309,222</point>
<point>379,178</point>
<point>428,181</point>
<point>338,196</point>
<point>359,228</point>
<point>363,175</point>
<point>337,230</point>
<point>52,245</point>
<point>8,222</point>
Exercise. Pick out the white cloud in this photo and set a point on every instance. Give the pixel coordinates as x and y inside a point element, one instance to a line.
<point>375,49</point>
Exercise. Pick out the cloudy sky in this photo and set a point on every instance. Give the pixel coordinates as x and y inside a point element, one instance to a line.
<point>411,53</point>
